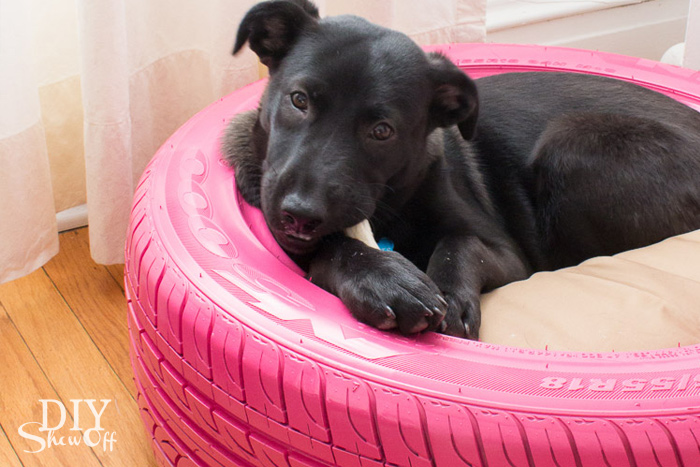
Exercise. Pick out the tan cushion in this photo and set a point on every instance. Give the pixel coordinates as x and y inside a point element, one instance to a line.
<point>642,299</point>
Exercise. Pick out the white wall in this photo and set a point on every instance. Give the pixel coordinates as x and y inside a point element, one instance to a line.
<point>642,29</point>
<point>692,43</point>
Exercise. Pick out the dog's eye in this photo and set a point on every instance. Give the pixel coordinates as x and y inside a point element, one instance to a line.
<point>382,132</point>
<point>300,100</point>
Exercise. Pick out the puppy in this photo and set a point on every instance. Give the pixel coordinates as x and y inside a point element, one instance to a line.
<point>358,123</point>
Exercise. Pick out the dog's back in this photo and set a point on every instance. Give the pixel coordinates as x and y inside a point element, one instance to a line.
<point>582,166</point>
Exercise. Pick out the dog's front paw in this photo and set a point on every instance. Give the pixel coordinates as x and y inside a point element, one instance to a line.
<point>463,317</point>
<point>390,292</point>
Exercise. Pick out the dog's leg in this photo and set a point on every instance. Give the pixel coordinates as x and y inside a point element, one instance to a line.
<point>465,266</point>
<point>380,288</point>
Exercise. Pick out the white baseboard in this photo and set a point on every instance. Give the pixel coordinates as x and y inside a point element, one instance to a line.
<point>509,14</point>
<point>72,218</point>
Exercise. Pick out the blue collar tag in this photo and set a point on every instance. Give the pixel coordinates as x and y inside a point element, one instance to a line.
<point>385,244</point>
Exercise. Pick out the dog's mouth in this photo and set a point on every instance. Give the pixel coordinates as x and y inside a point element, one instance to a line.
<point>295,242</point>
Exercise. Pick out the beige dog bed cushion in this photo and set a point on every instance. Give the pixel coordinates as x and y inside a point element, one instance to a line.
<point>643,299</point>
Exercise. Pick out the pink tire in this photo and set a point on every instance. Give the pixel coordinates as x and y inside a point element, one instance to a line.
<point>241,361</point>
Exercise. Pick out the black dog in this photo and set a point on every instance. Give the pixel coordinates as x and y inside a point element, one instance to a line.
<point>359,123</point>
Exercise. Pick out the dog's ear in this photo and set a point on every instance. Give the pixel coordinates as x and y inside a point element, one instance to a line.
<point>455,100</point>
<point>272,27</point>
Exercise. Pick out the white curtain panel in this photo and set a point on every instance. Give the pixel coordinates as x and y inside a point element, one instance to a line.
<point>147,66</point>
<point>27,218</point>
<point>427,22</point>
<point>140,69</point>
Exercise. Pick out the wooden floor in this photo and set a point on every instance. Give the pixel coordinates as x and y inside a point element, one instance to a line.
<point>64,340</point>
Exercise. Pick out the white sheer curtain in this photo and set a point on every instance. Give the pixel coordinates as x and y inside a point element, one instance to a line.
<point>27,217</point>
<point>89,90</point>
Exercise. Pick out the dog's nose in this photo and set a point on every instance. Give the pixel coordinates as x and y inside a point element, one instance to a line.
<point>299,224</point>
<point>299,216</point>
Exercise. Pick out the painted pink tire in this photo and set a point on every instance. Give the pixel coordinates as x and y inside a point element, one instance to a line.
<point>241,361</point>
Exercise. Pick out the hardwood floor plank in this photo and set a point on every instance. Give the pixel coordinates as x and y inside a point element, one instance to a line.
<point>115,270</point>
<point>8,456</point>
<point>96,299</point>
<point>117,273</point>
<point>24,384</point>
<point>73,363</point>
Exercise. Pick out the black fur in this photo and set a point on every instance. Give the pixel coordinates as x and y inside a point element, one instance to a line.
<point>357,122</point>
<point>272,28</point>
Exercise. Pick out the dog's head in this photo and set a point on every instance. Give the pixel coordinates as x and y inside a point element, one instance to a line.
<point>345,119</point>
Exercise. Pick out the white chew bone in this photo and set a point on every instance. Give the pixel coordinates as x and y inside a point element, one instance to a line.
<point>363,233</point>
